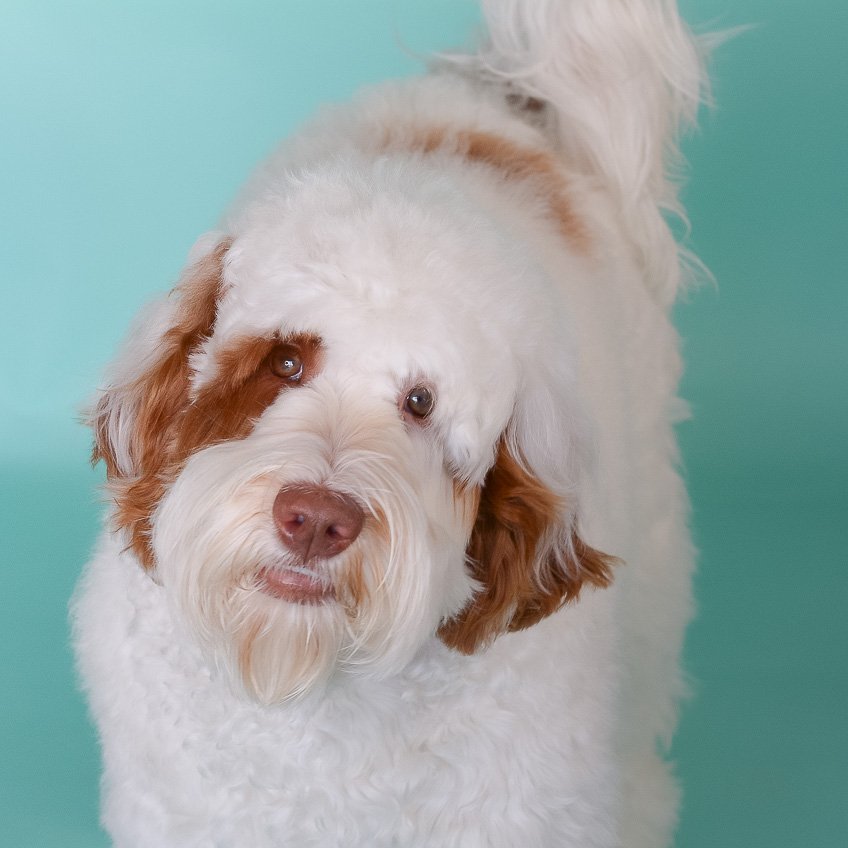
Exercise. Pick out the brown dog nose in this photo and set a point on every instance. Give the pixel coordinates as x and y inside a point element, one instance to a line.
<point>316,522</point>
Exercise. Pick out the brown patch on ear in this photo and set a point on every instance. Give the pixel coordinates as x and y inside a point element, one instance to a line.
<point>514,162</point>
<point>161,391</point>
<point>166,424</point>
<point>155,402</point>
<point>521,584</point>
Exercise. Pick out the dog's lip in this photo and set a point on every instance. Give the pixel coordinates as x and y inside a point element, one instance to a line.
<point>295,584</point>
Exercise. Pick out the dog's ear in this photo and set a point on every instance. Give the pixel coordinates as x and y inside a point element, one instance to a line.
<point>136,418</point>
<point>525,554</point>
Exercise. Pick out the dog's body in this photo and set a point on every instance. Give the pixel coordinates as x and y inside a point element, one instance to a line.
<point>439,316</point>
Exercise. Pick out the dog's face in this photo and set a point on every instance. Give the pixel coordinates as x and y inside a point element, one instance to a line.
<point>353,426</point>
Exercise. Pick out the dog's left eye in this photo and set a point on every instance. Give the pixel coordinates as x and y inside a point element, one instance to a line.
<point>286,362</point>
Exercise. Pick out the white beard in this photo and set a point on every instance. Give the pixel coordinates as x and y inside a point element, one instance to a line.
<point>214,535</point>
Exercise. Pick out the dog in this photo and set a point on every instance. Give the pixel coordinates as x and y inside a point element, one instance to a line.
<point>397,549</point>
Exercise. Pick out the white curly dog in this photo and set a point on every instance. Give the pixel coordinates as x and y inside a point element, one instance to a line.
<point>413,399</point>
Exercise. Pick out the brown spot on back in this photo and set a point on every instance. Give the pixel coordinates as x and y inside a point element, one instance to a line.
<point>512,160</point>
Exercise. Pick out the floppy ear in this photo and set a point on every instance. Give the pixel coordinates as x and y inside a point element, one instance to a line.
<point>526,555</point>
<point>136,420</point>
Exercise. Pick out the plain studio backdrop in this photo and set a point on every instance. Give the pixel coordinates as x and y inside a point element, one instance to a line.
<point>126,129</point>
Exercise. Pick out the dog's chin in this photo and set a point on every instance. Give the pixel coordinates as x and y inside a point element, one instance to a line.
<point>283,630</point>
<point>286,634</point>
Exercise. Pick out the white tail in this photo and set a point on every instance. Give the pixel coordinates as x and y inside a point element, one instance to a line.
<point>623,77</point>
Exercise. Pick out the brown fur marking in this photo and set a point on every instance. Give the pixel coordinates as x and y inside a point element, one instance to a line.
<point>168,426</point>
<point>516,514</point>
<point>514,161</point>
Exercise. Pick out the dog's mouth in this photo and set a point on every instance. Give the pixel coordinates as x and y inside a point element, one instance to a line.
<point>295,584</point>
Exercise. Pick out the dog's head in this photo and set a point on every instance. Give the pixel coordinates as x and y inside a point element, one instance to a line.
<point>351,427</point>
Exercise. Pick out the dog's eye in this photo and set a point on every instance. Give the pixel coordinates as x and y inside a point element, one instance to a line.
<point>419,402</point>
<point>286,362</point>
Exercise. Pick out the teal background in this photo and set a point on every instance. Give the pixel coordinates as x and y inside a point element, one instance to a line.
<point>127,127</point>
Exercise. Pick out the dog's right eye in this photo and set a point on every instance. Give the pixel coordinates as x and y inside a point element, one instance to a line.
<point>286,362</point>
<point>419,403</point>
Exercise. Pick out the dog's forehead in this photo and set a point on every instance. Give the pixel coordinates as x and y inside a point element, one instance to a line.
<point>399,258</point>
<point>373,308</point>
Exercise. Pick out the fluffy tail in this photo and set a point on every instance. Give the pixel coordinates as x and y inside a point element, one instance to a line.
<point>623,78</point>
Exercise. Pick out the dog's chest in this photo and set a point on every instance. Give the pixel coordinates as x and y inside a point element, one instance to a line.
<point>428,751</point>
